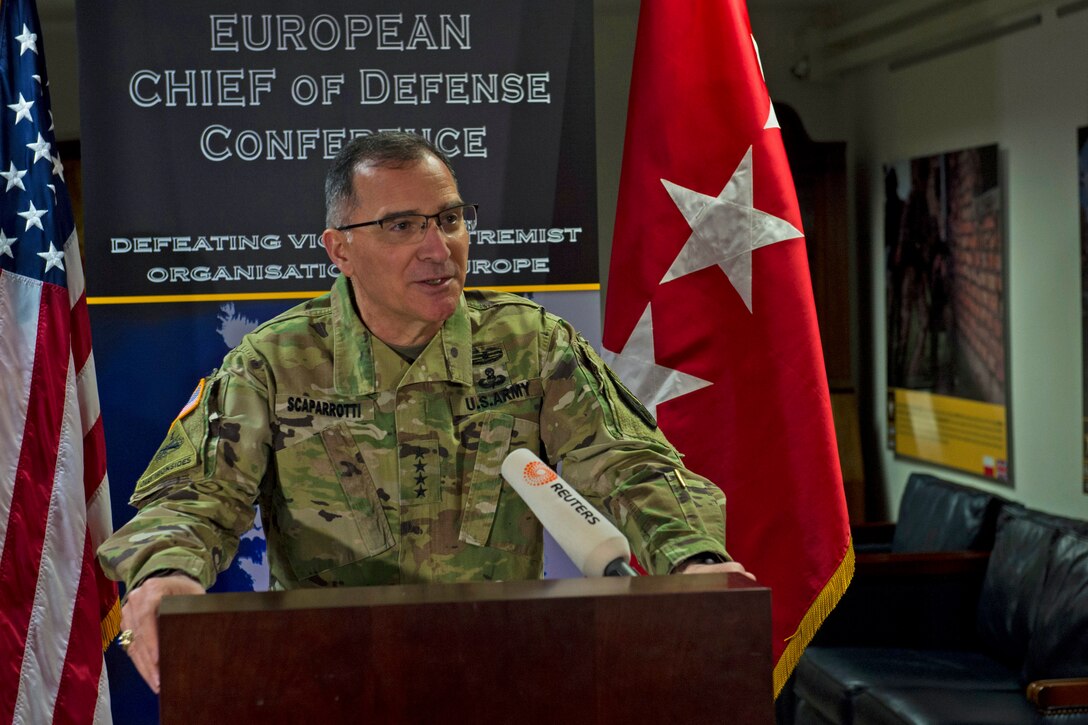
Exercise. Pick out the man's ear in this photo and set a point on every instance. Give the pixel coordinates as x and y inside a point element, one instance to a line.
<point>336,246</point>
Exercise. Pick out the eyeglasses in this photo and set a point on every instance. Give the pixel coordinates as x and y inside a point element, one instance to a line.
<point>409,228</point>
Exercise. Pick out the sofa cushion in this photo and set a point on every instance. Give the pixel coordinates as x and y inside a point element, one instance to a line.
<point>1059,644</point>
<point>807,715</point>
<point>941,706</point>
<point>937,515</point>
<point>829,678</point>
<point>1013,582</point>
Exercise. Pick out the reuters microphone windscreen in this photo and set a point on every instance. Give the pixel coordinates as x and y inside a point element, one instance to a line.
<point>591,541</point>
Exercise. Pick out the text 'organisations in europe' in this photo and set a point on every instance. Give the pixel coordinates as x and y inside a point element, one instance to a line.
<point>323,272</point>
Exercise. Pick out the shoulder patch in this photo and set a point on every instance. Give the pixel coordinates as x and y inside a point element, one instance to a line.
<point>194,400</point>
<point>177,453</point>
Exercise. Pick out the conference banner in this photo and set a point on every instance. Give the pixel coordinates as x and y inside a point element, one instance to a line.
<point>947,318</point>
<point>208,127</point>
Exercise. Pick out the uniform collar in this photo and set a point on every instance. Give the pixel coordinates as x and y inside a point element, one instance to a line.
<point>363,364</point>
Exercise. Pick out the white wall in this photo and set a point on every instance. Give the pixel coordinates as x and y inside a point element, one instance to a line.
<point>1028,92</point>
<point>614,25</point>
<point>59,31</point>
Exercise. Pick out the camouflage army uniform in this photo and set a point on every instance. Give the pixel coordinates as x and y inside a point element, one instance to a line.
<point>371,470</point>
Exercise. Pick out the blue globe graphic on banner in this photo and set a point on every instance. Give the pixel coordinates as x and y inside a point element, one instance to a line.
<point>249,570</point>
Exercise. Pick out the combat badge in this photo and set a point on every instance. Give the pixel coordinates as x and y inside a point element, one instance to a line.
<point>488,367</point>
<point>486,354</point>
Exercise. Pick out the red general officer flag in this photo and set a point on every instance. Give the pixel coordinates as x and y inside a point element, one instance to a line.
<point>57,609</point>
<point>709,316</point>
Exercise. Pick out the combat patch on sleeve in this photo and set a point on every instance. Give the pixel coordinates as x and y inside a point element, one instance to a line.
<point>177,453</point>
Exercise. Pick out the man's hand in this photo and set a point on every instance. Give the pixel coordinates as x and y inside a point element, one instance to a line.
<point>139,615</point>
<point>723,568</point>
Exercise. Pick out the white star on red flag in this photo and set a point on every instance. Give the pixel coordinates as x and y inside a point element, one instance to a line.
<point>726,229</point>
<point>637,366</point>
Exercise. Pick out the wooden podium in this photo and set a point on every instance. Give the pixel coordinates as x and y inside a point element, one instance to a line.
<point>680,649</point>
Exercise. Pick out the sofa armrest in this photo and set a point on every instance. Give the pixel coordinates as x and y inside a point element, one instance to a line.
<point>922,565</point>
<point>1053,695</point>
<point>916,601</point>
<point>872,536</point>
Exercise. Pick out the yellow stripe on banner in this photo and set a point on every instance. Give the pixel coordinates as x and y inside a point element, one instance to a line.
<point>587,287</point>
<point>240,297</point>
<point>817,613</point>
<point>225,297</point>
<point>111,624</point>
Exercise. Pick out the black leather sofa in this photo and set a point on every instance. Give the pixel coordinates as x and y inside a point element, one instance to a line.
<point>961,635</point>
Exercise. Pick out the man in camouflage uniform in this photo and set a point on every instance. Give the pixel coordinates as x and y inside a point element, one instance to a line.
<point>371,423</point>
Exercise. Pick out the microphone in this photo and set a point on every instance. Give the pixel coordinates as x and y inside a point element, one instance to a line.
<point>595,546</point>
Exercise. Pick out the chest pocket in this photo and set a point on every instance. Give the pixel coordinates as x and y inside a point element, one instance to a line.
<point>494,515</point>
<point>331,514</point>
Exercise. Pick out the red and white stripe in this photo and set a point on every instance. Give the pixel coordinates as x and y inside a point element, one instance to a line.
<point>58,609</point>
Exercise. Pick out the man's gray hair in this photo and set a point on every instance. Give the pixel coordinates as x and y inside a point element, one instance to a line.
<point>391,149</point>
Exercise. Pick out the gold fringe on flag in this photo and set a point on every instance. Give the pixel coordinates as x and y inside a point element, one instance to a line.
<point>817,613</point>
<point>111,624</point>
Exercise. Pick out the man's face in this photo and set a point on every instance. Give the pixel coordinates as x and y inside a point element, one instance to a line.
<point>404,291</point>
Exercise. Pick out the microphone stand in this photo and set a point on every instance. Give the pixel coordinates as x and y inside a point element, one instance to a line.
<point>620,567</point>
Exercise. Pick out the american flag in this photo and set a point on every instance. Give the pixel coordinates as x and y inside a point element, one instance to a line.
<point>57,609</point>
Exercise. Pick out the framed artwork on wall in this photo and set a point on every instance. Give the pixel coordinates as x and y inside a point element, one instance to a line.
<point>947,322</point>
